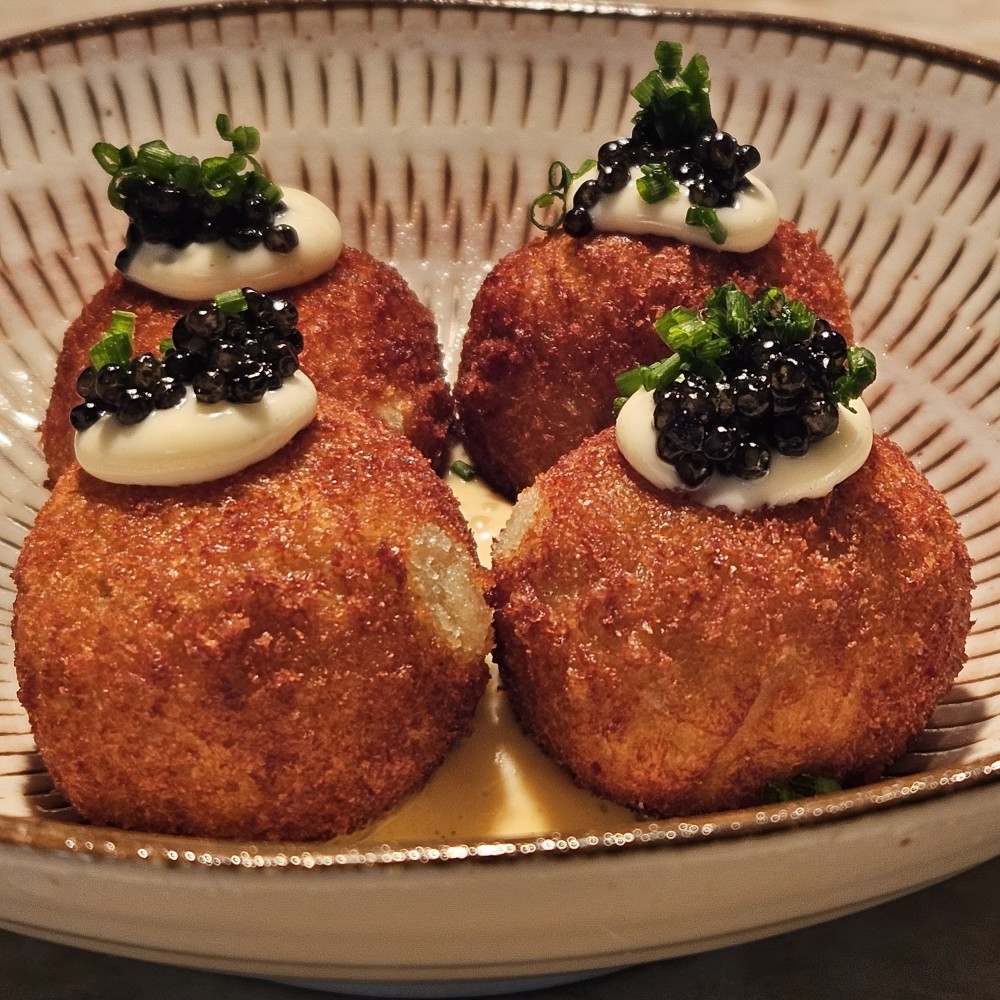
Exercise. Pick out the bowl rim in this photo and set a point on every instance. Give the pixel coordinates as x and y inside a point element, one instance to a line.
<point>104,843</point>
<point>938,52</point>
<point>112,844</point>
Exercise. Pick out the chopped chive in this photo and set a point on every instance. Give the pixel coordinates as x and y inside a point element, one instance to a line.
<point>271,192</point>
<point>559,175</point>
<point>861,371</point>
<point>673,99</point>
<point>707,219</point>
<point>800,786</point>
<point>737,311</point>
<point>656,183</point>
<point>122,322</point>
<point>649,377</point>
<point>560,178</point>
<point>245,138</point>
<point>108,156</point>
<point>233,301</point>
<point>544,201</point>
<point>463,470</point>
<point>156,160</point>
<point>115,345</point>
<point>668,56</point>
<point>647,87</point>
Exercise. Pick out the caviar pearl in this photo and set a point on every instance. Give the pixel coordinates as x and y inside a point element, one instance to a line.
<point>577,222</point>
<point>85,415</point>
<point>134,406</point>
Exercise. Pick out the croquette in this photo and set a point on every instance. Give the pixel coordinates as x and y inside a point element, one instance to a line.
<point>558,318</point>
<point>675,658</point>
<point>284,653</point>
<point>368,340</point>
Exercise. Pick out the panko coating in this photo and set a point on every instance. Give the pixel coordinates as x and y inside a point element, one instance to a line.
<point>369,340</point>
<point>556,319</point>
<point>284,653</point>
<point>675,658</point>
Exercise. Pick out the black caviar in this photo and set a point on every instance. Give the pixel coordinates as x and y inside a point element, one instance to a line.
<point>770,397</point>
<point>180,200</point>
<point>748,379</point>
<point>234,349</point>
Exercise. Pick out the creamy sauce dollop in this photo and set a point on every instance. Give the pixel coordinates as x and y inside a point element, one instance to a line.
<point>828,462</point>
<point>750,222</point>
<point>196,442</point>
<point>203,270</point>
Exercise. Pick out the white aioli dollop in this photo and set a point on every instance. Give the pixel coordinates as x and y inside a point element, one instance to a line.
<point>750,222</point>
<point>828,462</point>
<point>196,442</point>
<point>203,270</point>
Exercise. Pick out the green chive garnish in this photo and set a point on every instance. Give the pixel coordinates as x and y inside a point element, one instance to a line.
<point>860,374</point>
<point>115,345</point>
<point>656,183</point>
<point>231,302</point>
<point>699,339</point>
<point>463,470</point>
<point>673,100</point>
<point>707,219</point>
<point>231,179</point>
<point>560,180</point>
<point>802,786</point>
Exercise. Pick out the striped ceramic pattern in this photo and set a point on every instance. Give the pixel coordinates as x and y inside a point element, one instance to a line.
<point>430,129</point>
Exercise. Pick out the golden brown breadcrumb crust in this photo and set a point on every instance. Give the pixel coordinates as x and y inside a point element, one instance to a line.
<point>675,658</point>
<point>368,340</point>
<point>557,319</point>
<point>251,657</point>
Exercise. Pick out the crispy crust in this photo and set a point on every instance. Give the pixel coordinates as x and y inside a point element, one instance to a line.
<point>285,653</point>
<point>674,658</point>
<point>556,320</point>
<point>367,339</point>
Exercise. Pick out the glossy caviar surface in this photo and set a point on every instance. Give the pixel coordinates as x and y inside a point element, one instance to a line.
<point>233,353</point>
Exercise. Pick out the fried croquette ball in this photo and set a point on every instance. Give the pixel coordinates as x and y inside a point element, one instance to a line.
<point>368,339</point>
<point>284,653</point>
<point>675,658</point>
<point>557,319</point>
